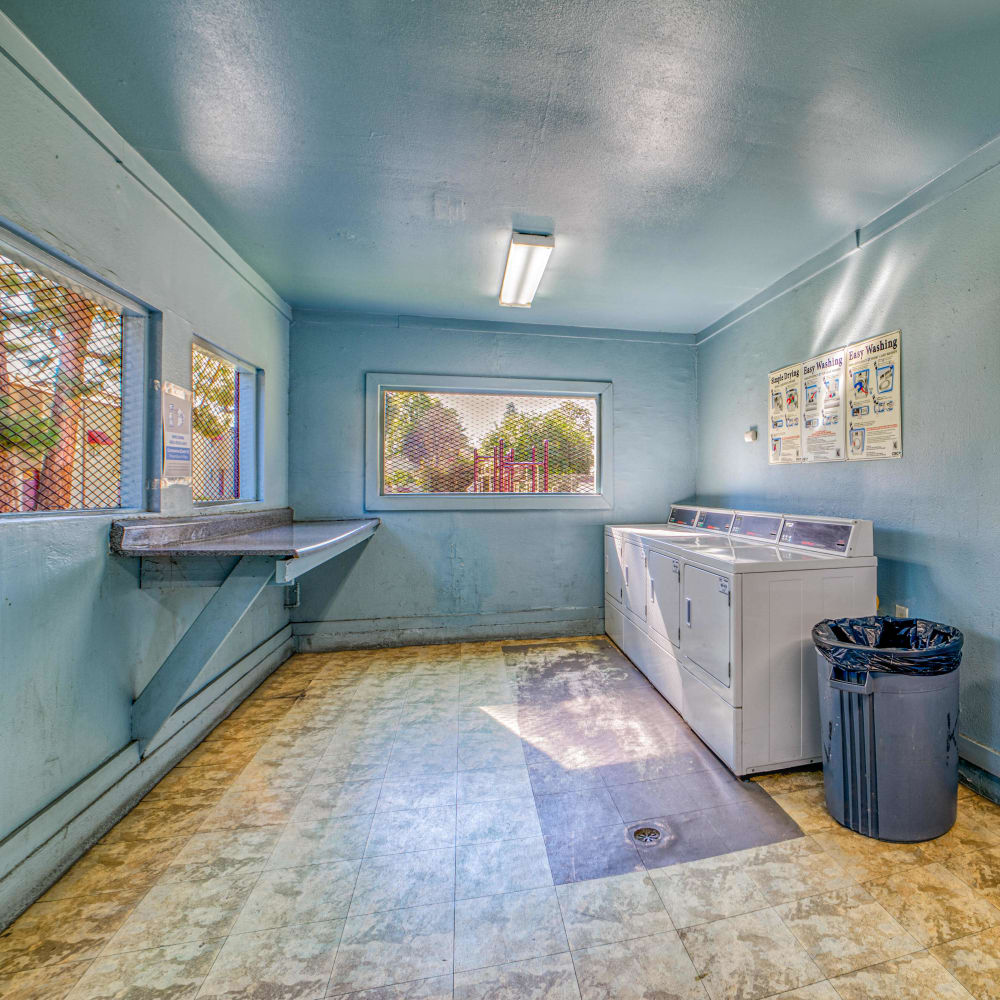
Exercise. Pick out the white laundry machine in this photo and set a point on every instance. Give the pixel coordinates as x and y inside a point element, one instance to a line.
<point>723,626</point>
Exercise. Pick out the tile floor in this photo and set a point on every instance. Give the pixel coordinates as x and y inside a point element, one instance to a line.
<point>455,821</point>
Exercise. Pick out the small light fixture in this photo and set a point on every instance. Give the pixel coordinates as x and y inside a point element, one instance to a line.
<point>526,259</point>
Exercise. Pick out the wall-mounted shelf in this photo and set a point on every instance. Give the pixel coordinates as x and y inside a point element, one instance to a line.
<point>240,554</point>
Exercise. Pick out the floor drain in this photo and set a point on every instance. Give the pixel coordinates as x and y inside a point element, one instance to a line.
<point>646,835</point>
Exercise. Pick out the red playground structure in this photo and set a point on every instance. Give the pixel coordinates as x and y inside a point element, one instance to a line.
<point>506,474</point>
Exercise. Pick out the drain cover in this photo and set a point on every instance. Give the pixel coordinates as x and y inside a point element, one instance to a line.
<point>646,835</point>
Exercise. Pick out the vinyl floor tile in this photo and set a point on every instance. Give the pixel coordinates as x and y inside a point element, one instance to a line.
<point>697,892</point>
<point>176,972</point>
<point>439,988</point>
<point>290,963</point>
<point>63,930</point>
<point>287,896</point>
<point>396,880</point>
<point>493,783</point>
<point>497,819</point>
<point>322,802</point>
<point>398,946</point>
<point>223,852</point>
<point>423,792</point>
<point>660,797</point>
<point>120,865</point>
<point>549,978</point>
<point>341,838</point>
<point>793,869</point>
<point>183,912</point>
<point>845,930</point>
<point>509,927</point>
<point>684,837</point>
<point>981,870</point>
<point>933,904</point>
<point>606,910</point>
<point>648,968</point>
<point>405,830</point>
<point>501,866</point>
<point>52,982</point>
<point>975,962</point>
<point>586,854</point>
<point>749,956</point>
<point>914,977</point>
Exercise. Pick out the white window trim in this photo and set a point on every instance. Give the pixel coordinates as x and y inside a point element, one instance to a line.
<point>377,382</point>
<point>251,418</point>
<point>135,334</point>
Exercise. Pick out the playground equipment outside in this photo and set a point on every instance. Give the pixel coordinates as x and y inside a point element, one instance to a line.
<point>506,475</point>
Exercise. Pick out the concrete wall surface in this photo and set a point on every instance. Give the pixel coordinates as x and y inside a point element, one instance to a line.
<point>79,638</point>
<point>442,575</point>
<point>936,510</point>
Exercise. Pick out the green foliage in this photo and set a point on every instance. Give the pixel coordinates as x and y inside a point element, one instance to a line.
<point>53,344</point>
<point>426,449</point>
<point>568,428</point>
<point>26,429</point>
<point>213,390</point>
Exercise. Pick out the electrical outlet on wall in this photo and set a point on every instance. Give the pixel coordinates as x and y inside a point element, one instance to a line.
<point>902,611</point>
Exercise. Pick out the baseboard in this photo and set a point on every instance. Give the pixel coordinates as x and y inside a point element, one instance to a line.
<point>984,757</point>
<point>358,633</point>
<point>34,855</point>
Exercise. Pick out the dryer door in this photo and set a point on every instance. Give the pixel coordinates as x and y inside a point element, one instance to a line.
<point>663,598</point>
<point>705,618</point>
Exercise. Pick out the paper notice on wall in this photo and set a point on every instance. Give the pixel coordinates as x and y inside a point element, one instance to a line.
<point>785,415</point>
<point>823,418</point>
<point>874,424</point>
<point>176,435</point>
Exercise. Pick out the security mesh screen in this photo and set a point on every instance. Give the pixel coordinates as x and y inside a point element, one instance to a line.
<point>60,396</point>
<point>215,424</point>
<point>484,442</point>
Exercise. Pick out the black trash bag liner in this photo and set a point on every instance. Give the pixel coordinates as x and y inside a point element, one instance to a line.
<point>891,645</point>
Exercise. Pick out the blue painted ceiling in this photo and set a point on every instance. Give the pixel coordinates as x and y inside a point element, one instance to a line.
<point>374,154</point>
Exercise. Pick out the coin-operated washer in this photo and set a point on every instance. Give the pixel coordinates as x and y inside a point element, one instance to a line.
<point>724,631</point>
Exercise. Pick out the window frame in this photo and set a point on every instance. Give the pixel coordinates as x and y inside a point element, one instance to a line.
<point>135,357</point>
<point>252,378</point>
<point>376,383</point>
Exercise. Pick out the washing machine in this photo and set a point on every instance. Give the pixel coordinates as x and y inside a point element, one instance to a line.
<point>724,627</point>
<point>625,569</point>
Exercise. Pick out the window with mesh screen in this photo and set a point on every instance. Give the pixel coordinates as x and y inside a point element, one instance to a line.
<point>222,424</point>
<point>436,442</point>
<point>62,364</point>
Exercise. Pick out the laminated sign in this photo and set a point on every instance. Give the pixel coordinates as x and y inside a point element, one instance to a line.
<point>823,419</point>
<point>874,424</point>
<point>785,415</point>
<point>176,435</point>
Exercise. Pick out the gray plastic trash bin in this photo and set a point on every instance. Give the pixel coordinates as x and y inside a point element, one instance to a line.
<point>888,694</point>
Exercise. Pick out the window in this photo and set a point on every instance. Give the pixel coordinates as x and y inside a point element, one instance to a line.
<point>71,357</point>
<point>446,442</point>
<point>223,422</point>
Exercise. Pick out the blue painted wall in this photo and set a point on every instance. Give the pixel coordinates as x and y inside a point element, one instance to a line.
<point>79,638</point>
<point>457,574</point>
<point>936,511</point>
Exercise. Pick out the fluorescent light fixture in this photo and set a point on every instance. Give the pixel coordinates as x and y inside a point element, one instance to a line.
<point>526,260</point>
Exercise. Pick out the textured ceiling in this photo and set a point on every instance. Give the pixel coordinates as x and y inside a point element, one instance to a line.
<point>374,154</point>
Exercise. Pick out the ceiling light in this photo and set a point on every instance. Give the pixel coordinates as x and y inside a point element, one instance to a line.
<point>526,260</point>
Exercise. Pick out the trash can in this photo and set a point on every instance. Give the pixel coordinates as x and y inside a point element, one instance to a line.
<point>888,694</point>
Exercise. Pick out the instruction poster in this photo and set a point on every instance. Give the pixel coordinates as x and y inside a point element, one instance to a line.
<point>176,434</point>
<point>823,419</point>
<point>785,415</point>
<point>874,425</point>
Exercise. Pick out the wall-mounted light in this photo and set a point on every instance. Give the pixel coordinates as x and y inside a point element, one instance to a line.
<point>526,259</point>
